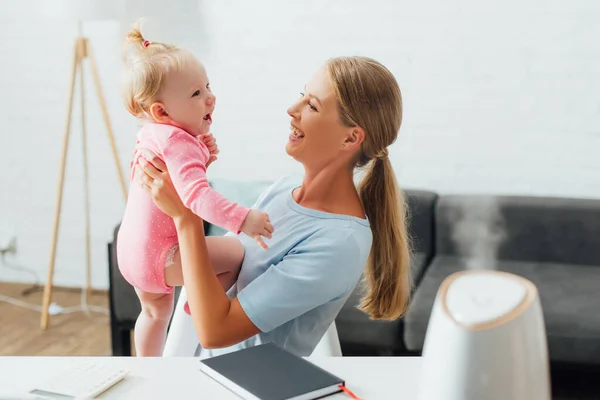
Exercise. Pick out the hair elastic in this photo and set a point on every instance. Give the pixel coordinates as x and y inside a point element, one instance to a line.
<point>146,43</point>
<point>382,154</point>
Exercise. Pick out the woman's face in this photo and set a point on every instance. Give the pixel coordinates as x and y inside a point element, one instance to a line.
<point>317,135</point>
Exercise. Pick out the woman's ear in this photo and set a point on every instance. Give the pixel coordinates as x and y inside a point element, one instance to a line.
<point>158,113</point>
<point>355,137</point>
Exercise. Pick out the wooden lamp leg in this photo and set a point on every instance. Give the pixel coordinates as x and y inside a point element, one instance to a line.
<point>86,186</point>
<point>63,161</point>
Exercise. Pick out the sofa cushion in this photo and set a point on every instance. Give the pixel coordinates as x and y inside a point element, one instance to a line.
<point>568,294</point>
<point>536,229</point>
<point>421,219</point>
<point>359,334</point>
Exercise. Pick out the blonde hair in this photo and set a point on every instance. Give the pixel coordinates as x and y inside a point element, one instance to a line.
<point>369,97</point>
<point>146,64</point>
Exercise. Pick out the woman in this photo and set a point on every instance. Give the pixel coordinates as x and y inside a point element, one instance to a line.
<point>326,230</point>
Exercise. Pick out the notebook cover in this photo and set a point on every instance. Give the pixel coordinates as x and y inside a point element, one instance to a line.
<point>269,372</point>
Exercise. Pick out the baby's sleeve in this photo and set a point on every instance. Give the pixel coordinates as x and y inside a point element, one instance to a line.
<point>186,158</point>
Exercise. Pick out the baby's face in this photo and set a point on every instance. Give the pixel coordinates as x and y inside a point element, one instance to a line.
<point>188,100</point>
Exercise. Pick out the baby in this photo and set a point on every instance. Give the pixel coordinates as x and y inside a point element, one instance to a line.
<point>168,90</point>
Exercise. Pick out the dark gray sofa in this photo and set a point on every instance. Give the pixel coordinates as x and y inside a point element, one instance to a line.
<point>553,242</point>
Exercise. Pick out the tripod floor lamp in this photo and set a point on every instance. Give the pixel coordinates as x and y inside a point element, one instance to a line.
<point>82,10</point>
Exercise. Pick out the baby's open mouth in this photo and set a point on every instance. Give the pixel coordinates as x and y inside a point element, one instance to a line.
<point>208,117</point>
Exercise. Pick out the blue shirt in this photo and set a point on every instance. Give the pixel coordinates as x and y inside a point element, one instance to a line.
<point>294,290</point>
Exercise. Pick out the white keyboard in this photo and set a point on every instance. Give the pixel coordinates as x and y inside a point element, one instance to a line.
<point>83,380</point>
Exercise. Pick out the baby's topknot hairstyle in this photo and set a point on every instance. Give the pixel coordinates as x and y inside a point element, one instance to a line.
<point>146,63</point>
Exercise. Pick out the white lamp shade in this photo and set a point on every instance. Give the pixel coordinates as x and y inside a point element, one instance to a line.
<point>82,10</point>
<point>486,339</point>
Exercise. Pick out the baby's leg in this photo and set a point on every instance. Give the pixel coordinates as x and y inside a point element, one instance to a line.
<point>226,255</point>
<point>151,325</point>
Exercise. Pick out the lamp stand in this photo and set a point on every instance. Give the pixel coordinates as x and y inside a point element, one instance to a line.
<point>82,50</point>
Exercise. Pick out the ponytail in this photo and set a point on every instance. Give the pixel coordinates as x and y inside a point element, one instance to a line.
<point>387,275</point>
<point>134,37</point>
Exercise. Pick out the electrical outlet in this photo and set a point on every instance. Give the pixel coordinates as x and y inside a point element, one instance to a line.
<point>8,245</point>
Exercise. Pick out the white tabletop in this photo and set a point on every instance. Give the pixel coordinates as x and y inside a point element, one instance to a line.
<point>180,378</point>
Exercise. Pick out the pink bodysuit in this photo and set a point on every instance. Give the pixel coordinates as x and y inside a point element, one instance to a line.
<point>147,237</point>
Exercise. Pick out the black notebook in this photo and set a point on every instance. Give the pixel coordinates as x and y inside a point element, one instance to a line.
<point>268,372</point>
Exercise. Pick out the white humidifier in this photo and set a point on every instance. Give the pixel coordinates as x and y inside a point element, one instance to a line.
<point>486,340</point>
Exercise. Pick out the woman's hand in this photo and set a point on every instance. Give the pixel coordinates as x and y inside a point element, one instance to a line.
<point>151,173</point>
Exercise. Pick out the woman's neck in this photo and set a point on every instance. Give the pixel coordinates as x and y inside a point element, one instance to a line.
<point>330,190</point>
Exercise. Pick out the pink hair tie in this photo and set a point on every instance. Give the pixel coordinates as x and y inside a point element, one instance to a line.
<point>146,43</point>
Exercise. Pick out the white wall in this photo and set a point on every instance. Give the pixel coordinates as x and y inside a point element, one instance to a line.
<point>498,99</point>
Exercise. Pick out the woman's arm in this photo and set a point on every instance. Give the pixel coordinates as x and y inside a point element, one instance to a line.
<point>219,322</point>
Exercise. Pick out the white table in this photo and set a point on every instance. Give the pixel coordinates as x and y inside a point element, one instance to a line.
<point>179,377</point>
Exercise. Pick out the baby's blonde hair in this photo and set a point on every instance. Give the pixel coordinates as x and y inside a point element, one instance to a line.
<point>146,65</point>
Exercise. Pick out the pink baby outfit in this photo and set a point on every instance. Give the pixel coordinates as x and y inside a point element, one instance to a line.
<point>147,237</point>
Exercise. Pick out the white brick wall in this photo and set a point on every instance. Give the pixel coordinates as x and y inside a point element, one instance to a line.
<point>499,98</point>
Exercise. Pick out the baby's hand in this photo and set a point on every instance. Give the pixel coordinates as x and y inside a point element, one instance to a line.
<point>210,142</point>
<point>257,224</point>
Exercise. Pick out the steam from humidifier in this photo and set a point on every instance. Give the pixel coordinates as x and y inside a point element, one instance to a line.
<point>478,231</point>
